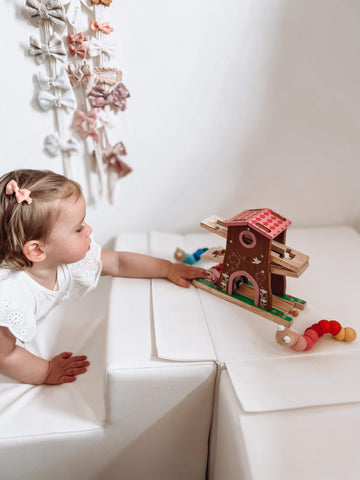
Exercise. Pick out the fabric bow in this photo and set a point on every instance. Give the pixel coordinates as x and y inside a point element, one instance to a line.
<point>51,10</point>
<point>55,146</point>
<point>55,48</point>
<point>104,2</point>
<point>73,12</point>
<point>112,157</point>
<point>80,51</point>
<point>77,38</point>
<point>81,75</point>
<point>47,100</point>
<point>105,27</point>
<point>98,98</point>
<point>97,47</point>
<point>21,194</point>
<point>104,120</point>
<point>86,125</point>
<point>61,81</point>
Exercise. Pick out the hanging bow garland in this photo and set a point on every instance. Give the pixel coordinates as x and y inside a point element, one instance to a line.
<point>89,85</point>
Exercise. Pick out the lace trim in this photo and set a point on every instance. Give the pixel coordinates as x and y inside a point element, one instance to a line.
<point>12,318</point>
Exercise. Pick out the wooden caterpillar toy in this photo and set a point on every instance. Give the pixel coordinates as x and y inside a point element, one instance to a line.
<point>286,337</point>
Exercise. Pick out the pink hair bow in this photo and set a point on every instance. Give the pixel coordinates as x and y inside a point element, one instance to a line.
<point>77,38</point>
<point>105,27</point>
<point>86,125</point>
<point>98,98</point>
<point>80,51</point>
<point>112,157</point>
<point>21,195</point>
<point>76,46</point>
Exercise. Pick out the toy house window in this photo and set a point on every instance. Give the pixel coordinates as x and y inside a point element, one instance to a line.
<point>247,239</point>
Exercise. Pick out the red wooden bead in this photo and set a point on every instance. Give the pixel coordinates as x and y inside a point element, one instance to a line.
<point>318,329</point>
<point>335,327</point>
<point>310,332</point>
<point>325,325</point>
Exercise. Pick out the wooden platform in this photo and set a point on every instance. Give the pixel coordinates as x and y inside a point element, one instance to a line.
<point>281,313</point>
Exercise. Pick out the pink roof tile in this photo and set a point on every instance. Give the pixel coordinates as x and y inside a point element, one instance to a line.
<point>263,220</point>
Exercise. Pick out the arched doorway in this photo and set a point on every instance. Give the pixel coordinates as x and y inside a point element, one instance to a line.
<point>240,273</point>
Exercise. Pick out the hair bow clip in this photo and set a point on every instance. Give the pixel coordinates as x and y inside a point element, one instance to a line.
<point>21,195</point>
<point>54,48</point>
<point>81,51</point>
<point>101,46</point>
<point>79,38</point>
<point>107,75</point>
<point>55,146</point>
<point>105,27</point>
<point>75,43</point>
<point>46,83</point>
<point>81,75</point>
<point>99,98</point>
<point>86,124</point>
<point>48,10</point>
<point>103,2</point>
<point>112,158</point>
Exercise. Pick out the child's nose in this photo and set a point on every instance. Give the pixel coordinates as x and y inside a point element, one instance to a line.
<point>89,229</point>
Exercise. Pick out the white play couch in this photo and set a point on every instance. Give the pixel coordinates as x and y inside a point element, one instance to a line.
<point>171,365</point>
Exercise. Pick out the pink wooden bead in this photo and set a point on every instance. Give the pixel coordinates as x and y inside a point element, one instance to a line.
<point>300,344</point>
<point>312,334</point>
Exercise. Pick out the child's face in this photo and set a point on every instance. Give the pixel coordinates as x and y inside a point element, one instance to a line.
<point>70,238</point>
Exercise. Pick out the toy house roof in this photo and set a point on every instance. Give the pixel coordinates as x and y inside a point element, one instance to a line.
<point>263,220</point>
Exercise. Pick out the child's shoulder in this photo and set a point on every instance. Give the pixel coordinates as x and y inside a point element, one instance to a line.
<point>12,283</point>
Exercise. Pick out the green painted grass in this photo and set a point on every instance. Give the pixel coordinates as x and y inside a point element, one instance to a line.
<point>249,301</point>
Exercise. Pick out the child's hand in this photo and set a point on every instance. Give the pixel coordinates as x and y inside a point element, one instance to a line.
<point>64,367</point>
<point>181,274</point>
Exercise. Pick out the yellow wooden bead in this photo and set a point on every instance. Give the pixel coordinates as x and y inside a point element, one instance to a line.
<point>350,334</point>
<point>341,335</point>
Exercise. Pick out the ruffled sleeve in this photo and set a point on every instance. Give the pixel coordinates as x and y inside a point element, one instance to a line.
<point>17,310</point>
<point>85,273</point>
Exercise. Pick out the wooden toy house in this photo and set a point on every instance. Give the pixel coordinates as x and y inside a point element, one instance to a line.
<point>255,263</point>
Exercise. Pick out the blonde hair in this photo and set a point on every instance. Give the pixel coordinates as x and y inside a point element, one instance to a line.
<point>21,222</point>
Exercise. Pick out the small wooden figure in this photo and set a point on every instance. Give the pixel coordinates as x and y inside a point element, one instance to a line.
<point>255,263</point>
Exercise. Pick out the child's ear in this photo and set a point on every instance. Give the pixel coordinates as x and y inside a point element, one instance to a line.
<point>33,251</point>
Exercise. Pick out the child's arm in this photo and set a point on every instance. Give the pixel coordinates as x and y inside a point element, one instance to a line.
<point>23,366</point>
<point>135,265</point>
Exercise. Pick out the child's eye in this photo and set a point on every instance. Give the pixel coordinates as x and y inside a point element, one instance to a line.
<point>80,229</point>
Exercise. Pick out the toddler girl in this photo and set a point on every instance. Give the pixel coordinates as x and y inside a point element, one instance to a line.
<point>47,253</point>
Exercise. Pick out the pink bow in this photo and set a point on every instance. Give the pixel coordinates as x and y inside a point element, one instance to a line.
<point>111,157</point>
<point>81,51</point>
<point>98,98</point>
<point>21,195</point>
<point>101,27</point>
<point>78,38</point>
<point>86,125</point>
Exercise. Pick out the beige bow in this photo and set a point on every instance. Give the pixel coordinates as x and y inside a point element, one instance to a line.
<point>55,48</point>
<point>50,10</point>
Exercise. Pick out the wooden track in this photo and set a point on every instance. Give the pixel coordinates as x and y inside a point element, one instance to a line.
<point>281,318</point>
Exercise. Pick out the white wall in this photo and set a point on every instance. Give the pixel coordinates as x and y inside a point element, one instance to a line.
<point>234,104</point>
